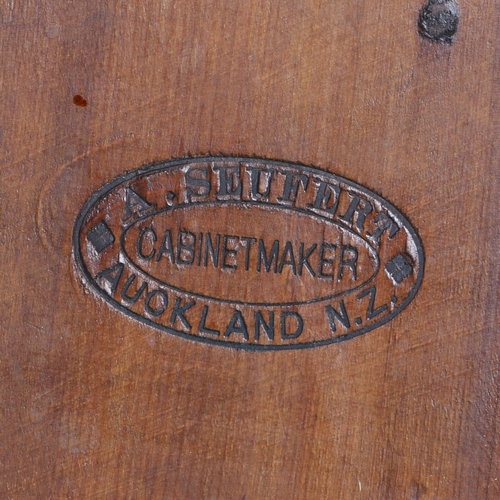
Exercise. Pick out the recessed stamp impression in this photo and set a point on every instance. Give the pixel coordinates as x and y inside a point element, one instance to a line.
<point>247,253</point>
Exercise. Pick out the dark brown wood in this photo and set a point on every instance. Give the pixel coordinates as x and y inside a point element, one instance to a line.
<point>94,404</point>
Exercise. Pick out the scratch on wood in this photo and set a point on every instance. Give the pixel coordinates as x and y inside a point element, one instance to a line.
<point>7,10</point>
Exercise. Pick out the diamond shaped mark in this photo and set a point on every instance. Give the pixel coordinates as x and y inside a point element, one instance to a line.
<point>100,236</point>
<point>398,268</point>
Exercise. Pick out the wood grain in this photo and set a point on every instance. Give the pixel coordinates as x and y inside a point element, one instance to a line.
<point>96,405</point>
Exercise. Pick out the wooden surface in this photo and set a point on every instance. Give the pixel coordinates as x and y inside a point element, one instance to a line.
<point>96,405</point>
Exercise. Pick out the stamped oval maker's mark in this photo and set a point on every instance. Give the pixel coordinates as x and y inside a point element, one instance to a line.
<point>248,253</point>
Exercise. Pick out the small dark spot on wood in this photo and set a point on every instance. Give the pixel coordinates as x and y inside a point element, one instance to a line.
<point>79,101</point>
<point>417,490</point>
<point>438,20</point>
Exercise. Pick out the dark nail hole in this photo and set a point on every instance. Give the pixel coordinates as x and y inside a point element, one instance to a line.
<point>438,20</point>
<point>79,101</point>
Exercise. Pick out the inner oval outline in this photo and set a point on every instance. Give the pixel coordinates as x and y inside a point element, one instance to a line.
<point>266,206</point>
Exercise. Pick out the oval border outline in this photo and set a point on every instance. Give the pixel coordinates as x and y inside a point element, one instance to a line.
<point>179,162</point>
